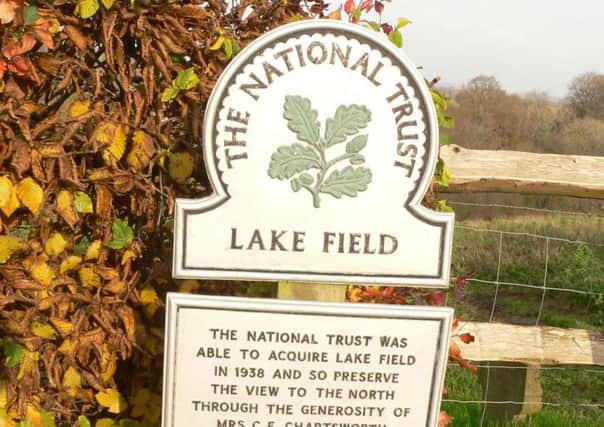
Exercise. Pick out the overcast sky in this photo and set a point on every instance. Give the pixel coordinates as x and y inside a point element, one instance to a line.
<point>528,45</point>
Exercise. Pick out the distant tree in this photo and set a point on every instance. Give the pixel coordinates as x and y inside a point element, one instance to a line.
<point>586,95</point>
<point>484,84</point>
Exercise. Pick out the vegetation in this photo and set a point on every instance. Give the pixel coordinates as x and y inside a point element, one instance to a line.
<point>100,123</point>
<point>577,266</point>
<point>567,387</point>
<point>487,117</point>
<point>586,95</point>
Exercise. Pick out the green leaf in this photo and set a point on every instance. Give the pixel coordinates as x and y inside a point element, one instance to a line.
<point>228,48</point>
<point>444,139</point>
<point>441,174</point>
<point>301,118</point>
<point>30,15</point>
<point>122,235</point>
<point>12,352</point>
<point>443,178</point>
<point>186,79</point>
<point>441,206</point>
<point>289,160</point>
<point>82,202</point>
<point>82,245</point>
<point>402,22</point>
<point>83,421</point>
<point>347,121</point>
<point>445,121</point>
<point>236,47</point>
<point>349,182</point>
<point>47,419</point>
<point>396,38</point>
<point>21,231</point>
<point>87,8</point>
<point>169,94</point>
<point>356,144</point>
<point>440,102</point>
<point>178,59</point>
<point>373,25</point>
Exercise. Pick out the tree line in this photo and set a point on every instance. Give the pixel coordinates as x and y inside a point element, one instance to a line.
<point>487,117</point>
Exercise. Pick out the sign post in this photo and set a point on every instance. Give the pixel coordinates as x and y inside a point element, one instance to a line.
<point>320,140</point>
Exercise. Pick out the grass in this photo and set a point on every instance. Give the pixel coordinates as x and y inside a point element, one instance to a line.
<point>570,265</point>
<point>574,259</point>
<point>567,386</point>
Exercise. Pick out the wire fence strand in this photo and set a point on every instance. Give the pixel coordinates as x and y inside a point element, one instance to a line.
<point>503,252</point>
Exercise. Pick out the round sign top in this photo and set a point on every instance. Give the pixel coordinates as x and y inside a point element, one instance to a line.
<point>322,124</point>
<point>321,71</point>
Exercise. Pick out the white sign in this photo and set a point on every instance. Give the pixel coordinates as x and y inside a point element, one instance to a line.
<point>233,362</point>
<point>320,140</point>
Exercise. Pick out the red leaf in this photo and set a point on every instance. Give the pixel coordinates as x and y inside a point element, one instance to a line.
<point>387,28</point>
<point>42,30</point>
<point>387,293</point>
<point>467,338</point>
<point>19,66</point>
<point>400,300</point>
<point>349,6</point>
<point>444,419</point>
<point>436,298</point>
<point>23,67</point>
<point>366,5</point>
<point>454,353</point>
<point>2,69</point>
<point>379,7</point>
<point>468,366</point>
<point>371,292</point>
<point>16,47</point>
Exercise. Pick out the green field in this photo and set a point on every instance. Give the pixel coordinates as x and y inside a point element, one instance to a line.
<point>574,388</point>
<point>571,265</point>
<point>575,261</point>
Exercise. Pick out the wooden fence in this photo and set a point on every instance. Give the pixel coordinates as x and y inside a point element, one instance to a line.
<point>511,172</point>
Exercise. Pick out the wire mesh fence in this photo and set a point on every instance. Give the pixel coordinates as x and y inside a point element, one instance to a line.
<point>529,266</point>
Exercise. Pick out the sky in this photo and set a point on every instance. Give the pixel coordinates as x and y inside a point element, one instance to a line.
<point>528,45</point>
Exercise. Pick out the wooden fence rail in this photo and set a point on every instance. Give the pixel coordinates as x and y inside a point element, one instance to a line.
<point>542,345</point>
<point>475,171</point>
<point>529,346</point>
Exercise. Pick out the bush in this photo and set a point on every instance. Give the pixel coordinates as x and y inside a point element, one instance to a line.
<point>100,116</point>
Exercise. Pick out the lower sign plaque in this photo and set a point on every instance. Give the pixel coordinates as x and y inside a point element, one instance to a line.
<point>234,362</point>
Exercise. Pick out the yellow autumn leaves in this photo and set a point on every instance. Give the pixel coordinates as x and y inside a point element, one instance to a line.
<point>87,8</point>
<point>10,245</point>
<point>112,400</point>
<point>27,192</point>
<point>115,136</point>
<point>30,194</point>
<point>8,196</point>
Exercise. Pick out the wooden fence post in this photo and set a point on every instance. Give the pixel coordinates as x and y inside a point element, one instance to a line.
<point>311,292</point>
